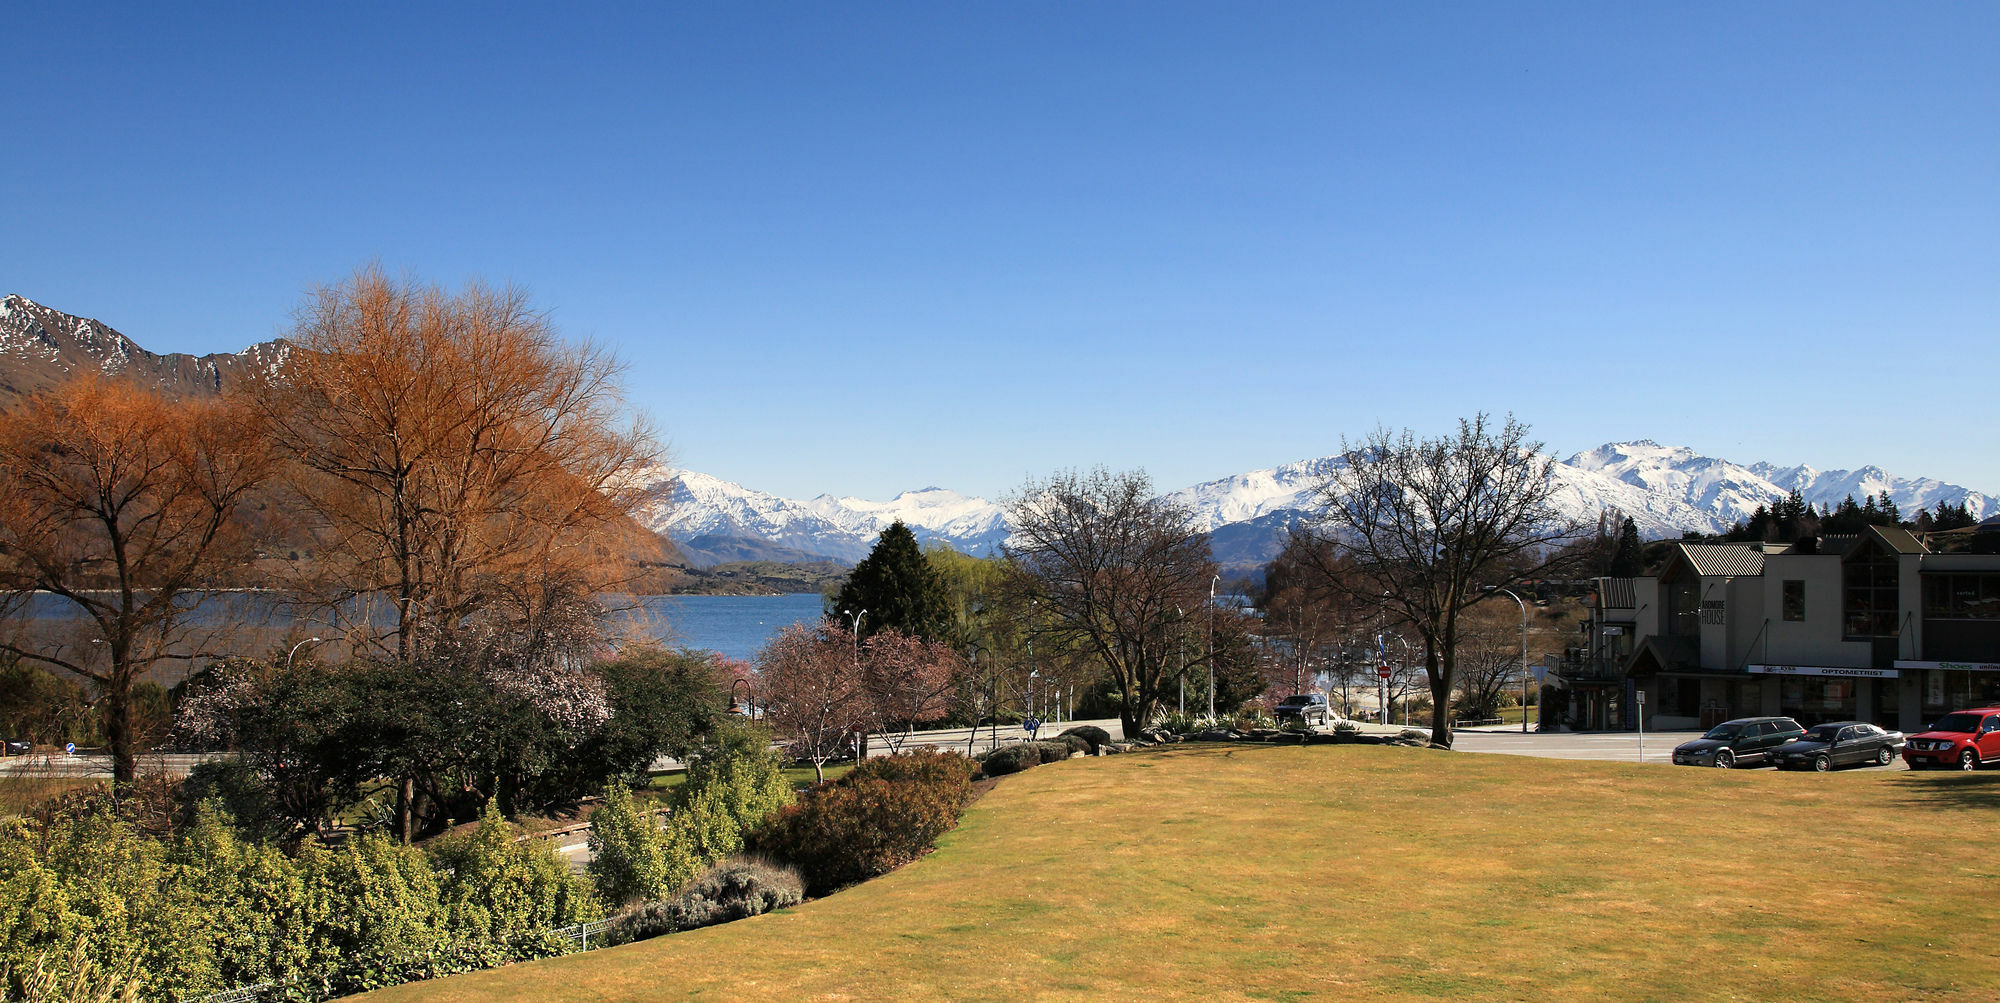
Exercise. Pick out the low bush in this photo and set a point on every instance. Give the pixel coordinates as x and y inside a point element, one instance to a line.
<point>732,890</point>
<point>737,889</point>
<point>1075,743</point>
<point>1055,752</point>
<point>1010,759</point>
<point>871,821</point>
<point>1090,733</point>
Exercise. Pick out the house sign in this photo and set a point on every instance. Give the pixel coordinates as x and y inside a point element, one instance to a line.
<point>1823,670</point>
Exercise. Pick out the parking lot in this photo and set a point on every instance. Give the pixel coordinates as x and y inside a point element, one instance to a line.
<point>1612,746</point>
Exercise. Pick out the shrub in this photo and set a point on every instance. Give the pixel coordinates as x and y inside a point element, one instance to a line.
<point>1345,727</point>
<point>1010,759</point>
<point>737,889</point>
<point>866,823</point>
<point>1090,733</point>
<point>923,765</point>
<point>640,921</point>
<point>732,890</point>
<point>1053,752</point>
<point>503,899</point>
<point>633,857</point>
<point>1075,743</point>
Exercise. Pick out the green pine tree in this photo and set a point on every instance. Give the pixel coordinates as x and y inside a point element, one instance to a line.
<point>897,588</point>
<point>1628,561</point>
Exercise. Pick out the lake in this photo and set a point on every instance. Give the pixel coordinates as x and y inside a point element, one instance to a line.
<point>736,626</point>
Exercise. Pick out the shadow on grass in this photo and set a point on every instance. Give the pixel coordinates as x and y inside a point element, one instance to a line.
<point>1951,790</point>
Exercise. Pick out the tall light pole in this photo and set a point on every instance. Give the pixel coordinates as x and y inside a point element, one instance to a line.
<point>1524,654</point>
<point>1212,583</point>
<point>860,740</point>
<point>295,651</point>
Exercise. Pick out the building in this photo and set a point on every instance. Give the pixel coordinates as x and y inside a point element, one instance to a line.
<point>1883,626</point>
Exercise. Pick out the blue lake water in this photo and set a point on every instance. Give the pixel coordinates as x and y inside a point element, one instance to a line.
<point>734,625</point>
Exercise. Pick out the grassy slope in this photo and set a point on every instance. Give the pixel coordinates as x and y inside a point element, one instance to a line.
<point>1377,873</point>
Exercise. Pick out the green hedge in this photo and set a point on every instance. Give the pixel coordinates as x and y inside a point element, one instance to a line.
<point>203,909</point>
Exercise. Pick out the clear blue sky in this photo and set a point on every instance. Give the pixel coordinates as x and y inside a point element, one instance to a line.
<point>861,248</point>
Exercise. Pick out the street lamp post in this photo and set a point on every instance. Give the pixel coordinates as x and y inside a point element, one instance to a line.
<point>1212,583</point>
<point>1524,654</point>
<point>733,706</point>
<point>860,738</point>
<point>295,651</point>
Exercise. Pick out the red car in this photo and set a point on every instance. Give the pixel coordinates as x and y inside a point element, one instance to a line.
<point>1964,739</point>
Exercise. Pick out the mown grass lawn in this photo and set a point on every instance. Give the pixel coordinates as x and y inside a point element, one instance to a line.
<point>1377,873</point>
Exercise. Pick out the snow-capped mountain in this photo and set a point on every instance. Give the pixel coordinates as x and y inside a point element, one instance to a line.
<point>40,346</point>
<point>712,520</point>
<point>1666,490</point>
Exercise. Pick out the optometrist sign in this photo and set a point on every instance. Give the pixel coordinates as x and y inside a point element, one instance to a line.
<point>1823,670</point>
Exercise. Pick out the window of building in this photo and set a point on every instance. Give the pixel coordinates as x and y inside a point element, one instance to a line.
<point>1870,598</point>
<point>1795,600</point>
<point>1683,588</point>
<point>1962,596</point>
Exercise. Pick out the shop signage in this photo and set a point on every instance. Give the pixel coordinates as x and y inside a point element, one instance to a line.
<point>1823,670</point>
<point>1614,631</point>
<point>1950,666</point>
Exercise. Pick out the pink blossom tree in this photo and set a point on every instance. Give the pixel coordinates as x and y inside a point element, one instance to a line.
<point>908,681</point>
<point>813,688</point>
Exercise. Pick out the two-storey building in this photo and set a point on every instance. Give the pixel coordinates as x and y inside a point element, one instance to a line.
<point>1877,626</point>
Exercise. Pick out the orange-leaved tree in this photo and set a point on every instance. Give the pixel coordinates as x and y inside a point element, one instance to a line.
<point>124,505</point>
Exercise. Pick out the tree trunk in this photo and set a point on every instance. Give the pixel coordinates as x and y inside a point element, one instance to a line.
<point>406,796</point>
<point>118,729</point>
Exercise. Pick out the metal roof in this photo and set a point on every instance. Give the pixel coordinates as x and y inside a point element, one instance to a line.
<point>1898,539</point>
<point>1616,593</point>
<point>1725,560</point>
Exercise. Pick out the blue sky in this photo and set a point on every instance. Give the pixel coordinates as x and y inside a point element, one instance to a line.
<point>861,248</point>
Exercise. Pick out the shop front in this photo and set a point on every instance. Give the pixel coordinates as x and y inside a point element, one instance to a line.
<point>1945,686</point>
<point>1815,694</point>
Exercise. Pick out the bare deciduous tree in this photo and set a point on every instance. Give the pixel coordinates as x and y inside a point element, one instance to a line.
<point>125,505</point>
<point>1111,568</point>
<point>1429,524</point>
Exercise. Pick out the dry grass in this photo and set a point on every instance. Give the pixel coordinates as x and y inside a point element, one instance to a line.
<point>1376,873</point>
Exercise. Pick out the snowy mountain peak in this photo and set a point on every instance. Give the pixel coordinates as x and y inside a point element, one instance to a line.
<point>1666,490</point>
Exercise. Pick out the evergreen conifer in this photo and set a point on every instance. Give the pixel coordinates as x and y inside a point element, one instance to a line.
<point>898,588</point>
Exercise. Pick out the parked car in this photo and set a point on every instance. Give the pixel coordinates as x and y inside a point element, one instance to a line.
<point>1747,741</point>
<point>16,747</point>
<point>1965,739</point>
<point>1309,708</point>
<point>1842,743</point>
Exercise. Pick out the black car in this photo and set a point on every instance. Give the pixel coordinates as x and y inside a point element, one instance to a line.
<point>1747,741</point>
<point>15,747</point>
<point>1309,708</point>
<point>1842,743</point>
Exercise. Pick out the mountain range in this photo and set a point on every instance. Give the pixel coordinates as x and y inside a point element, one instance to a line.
<point>1666,490</point>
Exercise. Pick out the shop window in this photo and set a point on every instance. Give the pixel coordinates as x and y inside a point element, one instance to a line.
<point>1962,596</point>
<point>1795,600</point>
